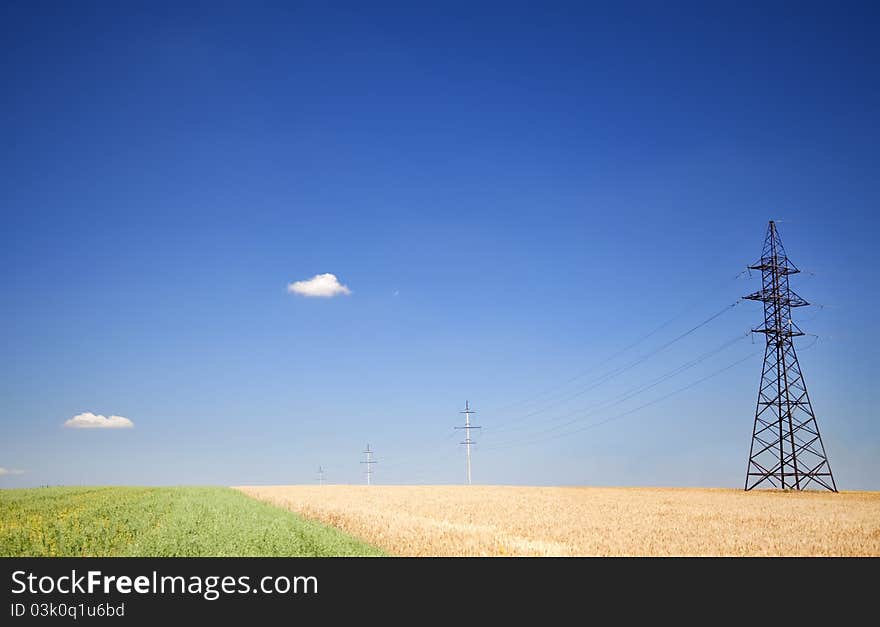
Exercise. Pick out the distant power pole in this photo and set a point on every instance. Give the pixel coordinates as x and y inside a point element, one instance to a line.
<point>467,436</point>
<point>320,475</point>
<point>787,450</point>
<point>369,461</point>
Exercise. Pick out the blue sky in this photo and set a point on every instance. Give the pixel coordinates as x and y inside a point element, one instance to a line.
<point>511,193</point>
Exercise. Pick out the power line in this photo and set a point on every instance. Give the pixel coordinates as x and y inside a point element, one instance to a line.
<point>419,455</point>
<point>630,411</point>
<point>430,467</point>
<point>549,435</point>
<point>619,352</point>
<point>611,374</point>
<point>602,379</point>
<point>616,400</point>
<point>639,389</point>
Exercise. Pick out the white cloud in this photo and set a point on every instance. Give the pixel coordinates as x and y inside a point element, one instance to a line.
<point>89,420</point>
<point>320,286</point>
<point>10,471</point>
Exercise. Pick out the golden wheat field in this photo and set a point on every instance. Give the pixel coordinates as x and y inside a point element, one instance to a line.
<point>526,521</point>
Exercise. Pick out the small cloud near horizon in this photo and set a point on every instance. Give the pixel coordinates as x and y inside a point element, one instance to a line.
<point>89,420</point>
<point>10,471</point>
<point>319,286</point>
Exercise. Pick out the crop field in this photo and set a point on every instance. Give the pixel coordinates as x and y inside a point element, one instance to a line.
<point>491,521</point>
<point>180,522</point>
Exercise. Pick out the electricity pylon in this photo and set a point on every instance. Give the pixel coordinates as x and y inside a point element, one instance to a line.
<point>787,450</point>
<point>467,436</point>
<point>369,461</point>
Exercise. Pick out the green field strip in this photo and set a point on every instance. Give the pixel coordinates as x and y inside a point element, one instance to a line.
<point>162,522</point>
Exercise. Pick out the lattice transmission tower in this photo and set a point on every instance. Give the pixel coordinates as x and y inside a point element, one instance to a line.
<point>787,450</point>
